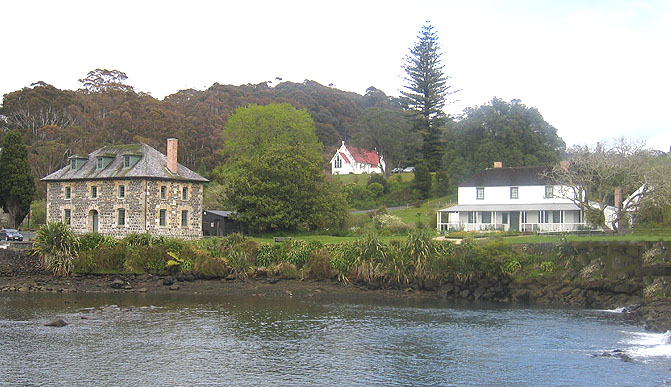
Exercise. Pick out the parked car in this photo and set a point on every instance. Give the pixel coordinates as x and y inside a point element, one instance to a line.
<point>397,170</point>
<point>10,234</point>
<point>409,169</point>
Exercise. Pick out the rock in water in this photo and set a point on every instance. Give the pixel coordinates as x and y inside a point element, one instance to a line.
<point>57,322</point>
<point>117,284</point>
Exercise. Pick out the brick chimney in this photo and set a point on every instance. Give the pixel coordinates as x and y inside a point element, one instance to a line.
<point>618,197</point>
<point>498,164</point>
<point>172,155</point>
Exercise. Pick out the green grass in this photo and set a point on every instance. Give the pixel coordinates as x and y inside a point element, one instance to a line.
<point>523,239</point>
<point>363,178</point>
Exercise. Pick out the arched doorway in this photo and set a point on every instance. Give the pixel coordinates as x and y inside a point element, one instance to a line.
<point>93,220</point>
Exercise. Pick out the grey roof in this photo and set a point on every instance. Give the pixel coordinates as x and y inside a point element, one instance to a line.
<point>152,165</point>
<point>224,214</point>
<point>513,207</point>
<point>498,177</point>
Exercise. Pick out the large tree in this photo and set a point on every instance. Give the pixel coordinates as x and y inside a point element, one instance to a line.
<point>387,131</point>
<point>16,183</point>
<point>503,131</point>
<point>273,175</point>
<point>256,129</point>
<point>593,174</point>
<point>427,89</point>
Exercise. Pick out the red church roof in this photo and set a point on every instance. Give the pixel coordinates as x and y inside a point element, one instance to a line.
<point>365,156</point>
<point>344,157</point>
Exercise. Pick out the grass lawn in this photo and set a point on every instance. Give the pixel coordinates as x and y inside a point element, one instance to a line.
<point>585,238</point>
<point>363,178</point>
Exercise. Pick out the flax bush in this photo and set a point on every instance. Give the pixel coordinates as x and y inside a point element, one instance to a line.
<point>57,247</point>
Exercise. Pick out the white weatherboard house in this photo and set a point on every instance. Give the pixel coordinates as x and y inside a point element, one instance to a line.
<point>517,199</point>
<point>350,159</point>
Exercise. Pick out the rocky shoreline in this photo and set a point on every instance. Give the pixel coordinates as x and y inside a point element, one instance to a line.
<point>597,294</point>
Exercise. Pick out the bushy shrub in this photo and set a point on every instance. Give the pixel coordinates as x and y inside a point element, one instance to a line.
<point>319,265</point>
<point>93,240</point>
<point>136,239</point>
<point>299,252</point>
<point>391,223</point>
<point>57,247</point>
<point>266,254</point>
<point>343,256</point>
<point>212,267</point>
<point>287,270</point>
<point>239,263</point>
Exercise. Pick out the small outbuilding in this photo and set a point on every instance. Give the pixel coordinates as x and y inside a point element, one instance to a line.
<point>219,223</point>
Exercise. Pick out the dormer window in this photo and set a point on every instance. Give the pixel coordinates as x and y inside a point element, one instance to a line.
<point>126,161</point>
<point>130,159</point>
<point>77,161</point>
<point>73,164</point>
<point>99,163</point>
<point>549,191</point>
<point>103,161</point>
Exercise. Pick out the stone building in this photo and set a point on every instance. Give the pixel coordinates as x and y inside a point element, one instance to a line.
<point>122,189</point>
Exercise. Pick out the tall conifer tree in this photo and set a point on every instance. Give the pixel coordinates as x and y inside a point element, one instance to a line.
<point>427,90</point>
<point>16,182</point>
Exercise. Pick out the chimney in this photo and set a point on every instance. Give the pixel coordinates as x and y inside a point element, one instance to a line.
<point>172,155</point>
<point>498,164</point>
<point>618,197</point>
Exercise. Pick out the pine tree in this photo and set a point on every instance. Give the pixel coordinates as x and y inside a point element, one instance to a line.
<point>16,182</point>
<point>427,91</point>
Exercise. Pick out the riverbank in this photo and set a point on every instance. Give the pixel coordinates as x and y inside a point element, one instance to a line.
<point>653,315</point>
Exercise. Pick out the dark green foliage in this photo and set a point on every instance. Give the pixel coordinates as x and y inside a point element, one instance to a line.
<point>16,182</point>
<point>377,178</point>
<point>57,247</point>
<point>285,190</point>
<point>427,89</point>
<point>502,131</point>
<point>93,240</point>
<point>423,180</point>
<point>318,266</point>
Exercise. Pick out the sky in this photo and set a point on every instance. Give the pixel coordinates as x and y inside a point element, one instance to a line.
<point>595,70</point>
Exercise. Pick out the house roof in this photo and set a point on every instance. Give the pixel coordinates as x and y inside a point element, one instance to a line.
<point>516,176</point>
<point>365,156</point>
<point>152,165</point>
<point>344,157</point>
<point>223,214</point>
<point>513,207</point>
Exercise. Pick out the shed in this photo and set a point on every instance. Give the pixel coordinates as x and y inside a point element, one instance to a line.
<point>219,223</point>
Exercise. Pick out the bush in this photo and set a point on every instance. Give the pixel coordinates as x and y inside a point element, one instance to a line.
<point>390,223</point>
<point>319,265</point>
<point>343,256</point>
<point>57,247</point>
<point>239,263</point>
<point>93,240</point>
<point>213,267</point>
<point>266,254</point>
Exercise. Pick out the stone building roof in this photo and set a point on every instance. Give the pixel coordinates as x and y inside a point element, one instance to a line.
<point>499,177</point>
<point>152,165</point>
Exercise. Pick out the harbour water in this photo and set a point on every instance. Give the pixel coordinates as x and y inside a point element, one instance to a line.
<point>134,339</point>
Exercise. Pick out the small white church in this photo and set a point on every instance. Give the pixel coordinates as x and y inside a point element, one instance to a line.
<point>350,159</point>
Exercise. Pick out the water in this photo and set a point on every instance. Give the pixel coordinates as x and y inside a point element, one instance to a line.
<point>182,340</point>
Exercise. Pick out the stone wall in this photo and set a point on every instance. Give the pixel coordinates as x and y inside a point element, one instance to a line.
<point>141,203</point>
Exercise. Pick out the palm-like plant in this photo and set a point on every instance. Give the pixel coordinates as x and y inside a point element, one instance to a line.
<point>57,247</point>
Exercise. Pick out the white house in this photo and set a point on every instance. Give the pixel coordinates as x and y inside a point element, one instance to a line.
<point>350,159</point>
<point>519,199</point>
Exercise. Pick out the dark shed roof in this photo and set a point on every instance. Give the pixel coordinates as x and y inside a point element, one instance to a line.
<point>152,165</point>
<point>517,176</point>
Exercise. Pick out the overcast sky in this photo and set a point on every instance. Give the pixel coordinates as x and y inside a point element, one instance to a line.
<point>594,69</point>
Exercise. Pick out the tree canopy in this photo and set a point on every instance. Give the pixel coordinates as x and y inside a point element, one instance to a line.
<point>509,132</point>
<point>427,89</point>
<point>16,183</point>
<point>387,131</point>
<point>256,129</point>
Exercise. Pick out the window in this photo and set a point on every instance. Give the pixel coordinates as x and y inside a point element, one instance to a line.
<point>73,164</point>
<point>557,217</point>
<point>480,193</point>
<point>514,192</point>
<point>185,193</point>
<point>94,191</point>
<point>121,217</point>
<point>504,217</point>
<point>523,216</point>
<point>486,217</point>
<point>185,218</point>
<point>338,162</point>
<point>161,218</point>
<point>122,191</point>
<point>163,191</point>
<point>126,161</point>
<point>68,192</point>
<point>549,191</point>
<point>542,217</point>
<point>67,216</point>
<point>472,217</point>
<point>99,163</point>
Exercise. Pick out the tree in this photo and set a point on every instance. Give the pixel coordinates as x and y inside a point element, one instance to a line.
<point>593,174</point>
<point>284,188</point>
<point>427,90</point>
<point>388,132</point>
<point>102,80</point>
<point>258,129</point>
<point>509,132</point>
<point>16,183</point>
<point>422,181</point>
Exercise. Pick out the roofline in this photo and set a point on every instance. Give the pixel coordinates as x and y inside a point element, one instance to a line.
<point>128,178</point>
